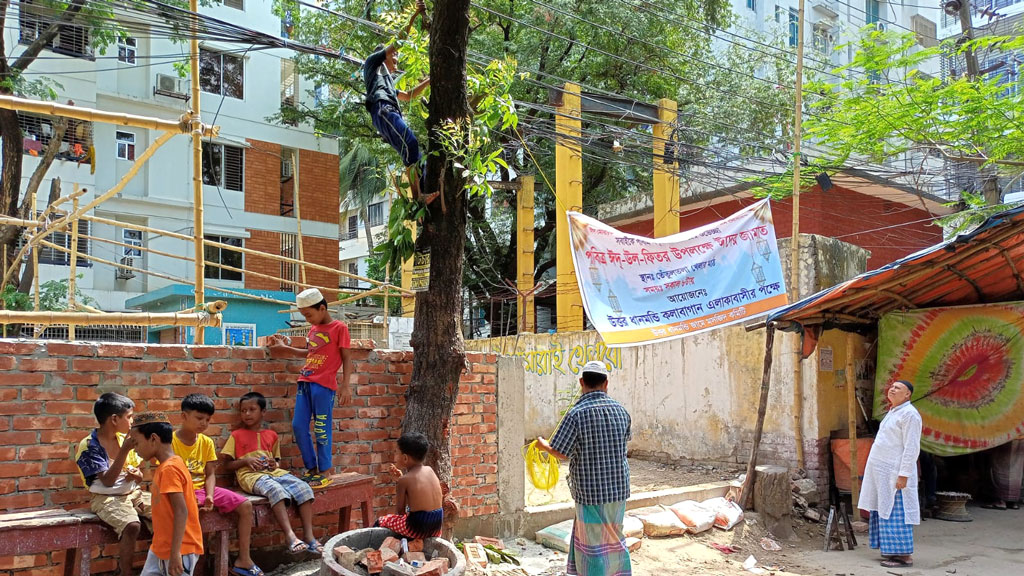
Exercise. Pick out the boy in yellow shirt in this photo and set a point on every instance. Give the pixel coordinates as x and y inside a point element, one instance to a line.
<point>200,456</point>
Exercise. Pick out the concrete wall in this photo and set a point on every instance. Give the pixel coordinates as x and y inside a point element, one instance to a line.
<point>695,399</point>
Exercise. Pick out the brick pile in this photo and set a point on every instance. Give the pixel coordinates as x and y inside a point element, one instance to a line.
<point>47,390</point>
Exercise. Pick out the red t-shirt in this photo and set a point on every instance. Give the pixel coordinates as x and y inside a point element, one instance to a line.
<point>323,353</point>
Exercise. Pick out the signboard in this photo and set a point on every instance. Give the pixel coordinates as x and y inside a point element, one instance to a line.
<point>239,334</point>
<point>420,271</point>
<point>638,290</point>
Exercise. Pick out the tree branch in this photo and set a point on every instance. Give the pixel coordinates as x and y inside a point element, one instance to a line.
<point>60,127</point>
<point>41,41</point>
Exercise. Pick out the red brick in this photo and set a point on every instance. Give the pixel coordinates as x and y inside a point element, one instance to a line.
<point>11,393</point>
<point>121,350</point>
<point>249,379</point>
<point>36,422</point>
<point>19,562</point>
<point>147,393</point>
<point>143,365</point>
<point>199,352</point>
<point>236,366</point>
<point>249,353</point>
<point>9,408</point>
<point>43,364</point>
<point>73,379</point>
<point>20,469</point>
<point>60,436</point>
<point>95,365</point>
<point>66,466</point>
<point>170,378</point>
<point>214,378</point>
<point>57,407</point>
<point>59,393</point>
<point>67,349</point>
<point>7,363</point>
<point>80,421</point>
<point>165,351</point>
<point>187,366</point>
<point>44,483</point>
<point>8,347</point>
<point>7,486</point>
<point>15,438</point>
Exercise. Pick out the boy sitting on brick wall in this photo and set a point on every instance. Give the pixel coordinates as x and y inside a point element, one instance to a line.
<point>114,482</point>
<point>253,454</point>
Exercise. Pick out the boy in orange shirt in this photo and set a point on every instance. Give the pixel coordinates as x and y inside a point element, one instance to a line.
<point>177,536</point>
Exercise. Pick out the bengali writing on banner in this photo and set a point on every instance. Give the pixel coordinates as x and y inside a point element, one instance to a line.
<point>638,290</point>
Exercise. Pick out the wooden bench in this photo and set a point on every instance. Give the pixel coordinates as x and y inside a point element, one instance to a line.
<point>78,531</point>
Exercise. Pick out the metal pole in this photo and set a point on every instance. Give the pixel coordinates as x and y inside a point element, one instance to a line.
<point>72,274</point>
<point>794,279</point>
<point>197,170</point>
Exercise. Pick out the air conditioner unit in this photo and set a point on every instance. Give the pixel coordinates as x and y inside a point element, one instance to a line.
<point>171,86</point>
<point>287,168</point>
<point>123,271</point>
<point>826,8</point>
<point>881,26</point>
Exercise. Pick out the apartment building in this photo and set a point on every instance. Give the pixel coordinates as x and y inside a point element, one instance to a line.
<point>250,171</point>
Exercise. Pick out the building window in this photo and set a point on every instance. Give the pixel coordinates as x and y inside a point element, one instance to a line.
<point>289,83</point>
<point>33,20</point>
<point>132,238</point>
<point>779,11</point>
<point>51,255</point>
<point>125,145</point>
<point>126,50</point>
<point>289,270</point>
<point>822,40</point>
<point>225,256</point>
<point>37,131</point>
<point>353,228</point>
<point>223,166</point>
<point>221,74</point>
<point>349,282</point>
<point>752,5</point>
<point>794,27</point>
<point>376,214</point>
<point>871,11</point>
<point>236,4</point>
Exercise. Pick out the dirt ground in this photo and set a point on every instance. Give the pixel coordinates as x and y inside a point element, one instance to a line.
<point>644,476</point>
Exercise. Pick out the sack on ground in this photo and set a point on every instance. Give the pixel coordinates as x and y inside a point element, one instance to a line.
<point>557,536</point>
<point>660,521</point>
<point>727,514</point>
<point>696,517</point>
<point>632,527</point>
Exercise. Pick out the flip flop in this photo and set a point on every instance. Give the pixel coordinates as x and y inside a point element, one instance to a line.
<point>314,546</point>
<point>254,571</point>
<point>895,563</point>
<point>993,506</point>
<point>298,547</point>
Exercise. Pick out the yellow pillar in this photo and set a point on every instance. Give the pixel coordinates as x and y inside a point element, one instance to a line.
<point>569,196</point>
<point>408,302</point>
<point>525,260</point>
<point>666,181</point>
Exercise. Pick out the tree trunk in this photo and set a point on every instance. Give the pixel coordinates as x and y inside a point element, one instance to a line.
<point>11,137</point>
<point>440,356</point>
<point>773,500</point>
<point>367,230</point>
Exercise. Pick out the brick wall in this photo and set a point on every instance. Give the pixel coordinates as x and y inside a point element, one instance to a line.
<point>270,243</point>
<point>263,178</point>
<point>47,391</point>
<point>839,213</point>
<point>318,187</point>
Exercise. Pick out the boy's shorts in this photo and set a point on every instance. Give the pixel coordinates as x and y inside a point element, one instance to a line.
<point>157,567</point>
<point>224,501</point>
<point>120,510</point>
<point>286,487</point>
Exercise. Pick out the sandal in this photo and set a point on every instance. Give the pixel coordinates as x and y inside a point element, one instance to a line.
<point>897,563</point>
<point>1013,506</point>
<point>298,547</point>
<point>314,546</point>
<point>254,571</point>
<point>994,506</point>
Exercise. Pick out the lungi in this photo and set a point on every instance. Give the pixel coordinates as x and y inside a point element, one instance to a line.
<point>893,535</point>
<point>1008,470</point>
<point>598,545</point>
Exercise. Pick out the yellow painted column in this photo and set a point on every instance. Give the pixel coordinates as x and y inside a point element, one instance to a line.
<point>408,302</point>
<point>525,261</point>
<point>666,180</point>
<point>569,196</point>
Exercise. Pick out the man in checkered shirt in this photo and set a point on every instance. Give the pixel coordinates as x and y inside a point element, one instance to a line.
<point>593,437</point>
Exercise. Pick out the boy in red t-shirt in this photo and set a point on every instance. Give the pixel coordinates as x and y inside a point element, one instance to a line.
<point>327,350</point>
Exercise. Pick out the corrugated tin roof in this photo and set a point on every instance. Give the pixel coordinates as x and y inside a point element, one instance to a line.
<point>981,266</point>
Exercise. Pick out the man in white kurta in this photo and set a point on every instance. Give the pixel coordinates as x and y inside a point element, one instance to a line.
<point>889,491</point>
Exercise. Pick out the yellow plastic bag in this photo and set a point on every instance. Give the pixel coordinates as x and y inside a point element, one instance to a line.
<point>541,467</point>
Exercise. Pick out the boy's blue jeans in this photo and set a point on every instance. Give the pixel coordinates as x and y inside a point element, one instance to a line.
<point>314,403</point>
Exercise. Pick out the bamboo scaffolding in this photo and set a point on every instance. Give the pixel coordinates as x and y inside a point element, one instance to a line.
<point>298,212</point>
<point>73,269</point>
<point>63,221</point>
<point>197,168</point>
<point>181,126</point>
<point>121,318</point>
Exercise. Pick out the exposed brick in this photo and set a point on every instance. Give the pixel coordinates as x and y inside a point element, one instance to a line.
<point>187,366</point>
<point>166,351</point>
<point>68,349</point>
<point>236,366</point>
<point>95,365</point>
<point>20,469</point>
<point>44,483</point>
<point>7,363</point>
<point>42,364</point>
<point>170,378</point>
<point>19,348</point>
<point>36,422</point>
<point>143,365</point>
<point>60,393</point>
<point>201,352</point>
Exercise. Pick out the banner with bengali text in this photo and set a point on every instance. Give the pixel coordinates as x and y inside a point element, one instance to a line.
<point>638,290</point>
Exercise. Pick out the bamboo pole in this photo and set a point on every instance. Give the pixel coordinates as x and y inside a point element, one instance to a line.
<point>114,318</point>
<point>244,250</point>
<point>197,169</point>
<point>90,115</point>
<point>63,222</point>
<point>73,268</point>
<point>387,307</point>
<point>298,211</point>
<point>762,409</point>
<point>851,413</point>
<point>8,221</point>
<point>798,388</point>
<point>35,261</point>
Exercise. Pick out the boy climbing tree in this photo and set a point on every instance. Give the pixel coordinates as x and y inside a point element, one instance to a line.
<point>382,102</point>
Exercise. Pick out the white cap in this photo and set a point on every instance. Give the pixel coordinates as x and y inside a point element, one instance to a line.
<point>308,297</point>
<point>595,367</point>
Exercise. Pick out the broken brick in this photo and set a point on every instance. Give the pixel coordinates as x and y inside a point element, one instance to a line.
<point>340,551</point>
<point>374,562</point>
<point>436,567</point>
<point>388,555</point>
<point>393,543</point>
<point>416,545</point>
<point>416,557</point>
<point>485,542</point>
<point>475,554</point>
<point>394,569</point>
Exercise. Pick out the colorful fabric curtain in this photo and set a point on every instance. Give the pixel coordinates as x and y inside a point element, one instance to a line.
<point>967,367</point>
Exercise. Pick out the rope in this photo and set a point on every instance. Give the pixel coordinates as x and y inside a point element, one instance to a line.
<point>541,467</point>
